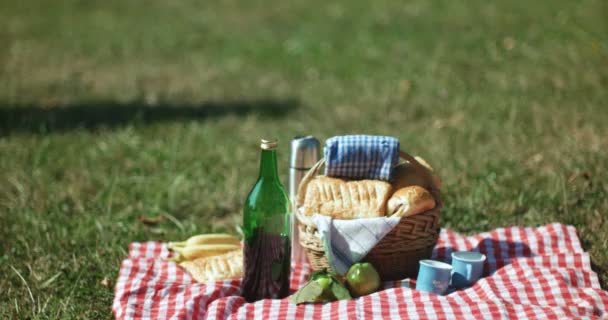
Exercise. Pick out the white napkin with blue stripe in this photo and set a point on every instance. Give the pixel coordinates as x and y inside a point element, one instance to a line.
<point>346,242</point>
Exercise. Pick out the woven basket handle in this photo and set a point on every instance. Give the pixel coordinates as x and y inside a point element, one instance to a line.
<point>434,190</point>
<point>315,170</point>
<point>312,172</point>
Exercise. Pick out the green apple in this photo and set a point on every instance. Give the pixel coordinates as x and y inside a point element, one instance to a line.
<point>324,282</point>
<point>362,279</point>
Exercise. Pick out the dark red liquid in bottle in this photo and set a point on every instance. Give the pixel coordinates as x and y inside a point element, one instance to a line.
<point>266,264</point>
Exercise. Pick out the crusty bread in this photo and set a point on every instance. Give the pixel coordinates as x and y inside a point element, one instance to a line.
<point>208,269</point>
<point>343,199</point>
<point>407,174</point>
<point>410,201</point>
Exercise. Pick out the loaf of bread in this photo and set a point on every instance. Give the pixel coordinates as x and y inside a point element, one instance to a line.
<point>341,199</point>
<point>410,201</point>
<point>214,268</point>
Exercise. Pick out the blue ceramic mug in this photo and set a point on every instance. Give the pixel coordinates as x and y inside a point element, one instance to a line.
<point>468,268</point>
<point>433,276</point>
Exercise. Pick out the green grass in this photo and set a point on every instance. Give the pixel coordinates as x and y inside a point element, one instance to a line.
<point>115,109</point>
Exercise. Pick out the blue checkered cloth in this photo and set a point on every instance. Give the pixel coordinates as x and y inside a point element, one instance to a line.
<point>361,156</point>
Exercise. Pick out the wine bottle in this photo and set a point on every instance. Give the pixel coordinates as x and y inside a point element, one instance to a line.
<point>266,233</point>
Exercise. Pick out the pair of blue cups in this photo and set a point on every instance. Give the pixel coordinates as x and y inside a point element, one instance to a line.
<point>466,269</point>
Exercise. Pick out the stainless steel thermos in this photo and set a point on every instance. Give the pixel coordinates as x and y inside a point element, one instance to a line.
<point>304,155</point>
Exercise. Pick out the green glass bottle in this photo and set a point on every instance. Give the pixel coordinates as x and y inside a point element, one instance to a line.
<point>266,230</point>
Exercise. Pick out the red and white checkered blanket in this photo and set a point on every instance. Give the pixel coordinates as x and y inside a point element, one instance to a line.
<point>531,273</point>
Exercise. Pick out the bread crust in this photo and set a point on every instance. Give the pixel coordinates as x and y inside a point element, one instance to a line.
<point>409,201</point>
<point>415,185</point>
<point>208,269</point>
<point>342,199</point>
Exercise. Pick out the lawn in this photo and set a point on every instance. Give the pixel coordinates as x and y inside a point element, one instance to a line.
<point>110,110</point>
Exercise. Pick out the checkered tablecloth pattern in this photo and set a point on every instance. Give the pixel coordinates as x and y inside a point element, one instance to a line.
<point>361,156</point>
<point>531,273</point>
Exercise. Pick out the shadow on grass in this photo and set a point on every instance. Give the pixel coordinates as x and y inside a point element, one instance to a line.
<point>601,270</point>
<point>91,116</point>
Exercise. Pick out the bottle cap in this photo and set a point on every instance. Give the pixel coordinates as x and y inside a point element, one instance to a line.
<point>269,144</point>
<point>304,152</point>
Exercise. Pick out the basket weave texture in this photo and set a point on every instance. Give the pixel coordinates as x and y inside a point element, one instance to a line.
<point>397,255</point>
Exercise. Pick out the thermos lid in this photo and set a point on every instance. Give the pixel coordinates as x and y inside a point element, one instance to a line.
<point>304,152</point>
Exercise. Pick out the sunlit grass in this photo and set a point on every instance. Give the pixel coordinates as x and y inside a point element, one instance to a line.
<point>506,100</point>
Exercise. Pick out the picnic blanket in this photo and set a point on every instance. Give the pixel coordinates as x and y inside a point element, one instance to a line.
<point>531,273</point>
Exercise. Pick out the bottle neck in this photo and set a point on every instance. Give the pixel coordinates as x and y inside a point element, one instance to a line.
<point>268,165</point>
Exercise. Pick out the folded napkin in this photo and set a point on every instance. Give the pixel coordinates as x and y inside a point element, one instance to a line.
<point>361,156</point>
<point>346,242</point>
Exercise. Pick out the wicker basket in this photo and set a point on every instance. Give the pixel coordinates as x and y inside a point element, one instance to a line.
<point>397,255</point>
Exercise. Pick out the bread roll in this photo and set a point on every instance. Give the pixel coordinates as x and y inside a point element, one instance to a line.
<point>407,174</point>
<point>341,199</point>
<point>410,201</point>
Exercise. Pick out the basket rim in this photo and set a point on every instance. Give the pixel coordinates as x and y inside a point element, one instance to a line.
<point>308,221</point>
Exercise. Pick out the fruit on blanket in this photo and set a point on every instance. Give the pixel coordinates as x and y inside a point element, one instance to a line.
<point>212,238</point>
<point>324,282</point>
<point>362,278</point>
<point>203,250</point>
<point>322,286</point>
